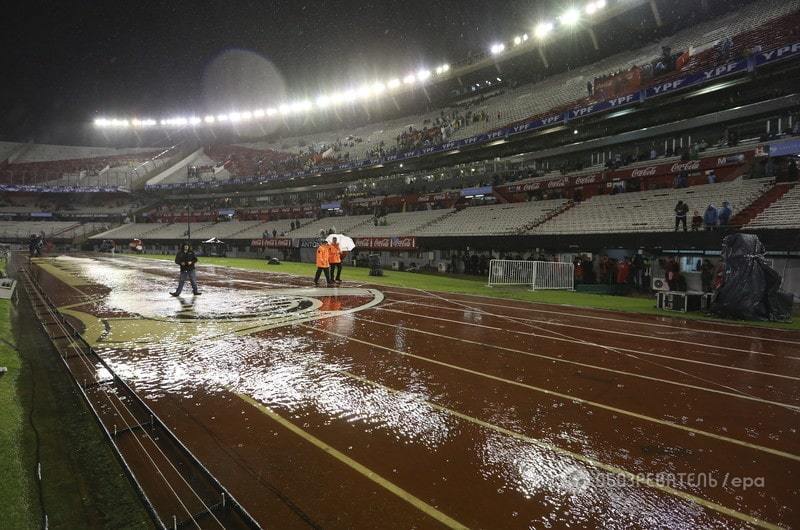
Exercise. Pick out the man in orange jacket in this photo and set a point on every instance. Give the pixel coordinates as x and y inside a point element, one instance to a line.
<point>323,262</point>
<point>335,259</point>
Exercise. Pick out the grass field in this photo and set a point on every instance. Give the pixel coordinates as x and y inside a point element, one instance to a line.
<point>17,486</point>
<point>476,286</point>
<point>43,420</point>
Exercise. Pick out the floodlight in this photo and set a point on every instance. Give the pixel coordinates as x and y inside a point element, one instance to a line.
<point>234,117</point>
<point>570,17</point>
<point>284,109</point>
<point>517,40</point>
<point>445,67</point>
<point>497,48</point>
<point>393,83</point>
<point>378,87</point>
<point>409,79</point>
<point>258,113</point>
<point>222,117</point>
<point>363,91</point>
<point>271,111</point>
<point>323,101</point>
<point>543,29</point>
<point>194,120</point>
<point>423,74</point>
<point>209,119</point>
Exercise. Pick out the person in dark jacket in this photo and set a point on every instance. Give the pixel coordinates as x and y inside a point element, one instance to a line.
<point>710,217</point>
<point>186,259</point>
<point>681,209</point>
<point>724,213</point>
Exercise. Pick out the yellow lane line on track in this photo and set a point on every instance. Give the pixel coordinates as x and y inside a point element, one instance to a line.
<point>582,458</point>
<point>567,397</point>
<point>364,471</point>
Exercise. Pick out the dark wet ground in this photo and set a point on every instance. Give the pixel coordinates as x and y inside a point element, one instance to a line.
<point>341,409</point>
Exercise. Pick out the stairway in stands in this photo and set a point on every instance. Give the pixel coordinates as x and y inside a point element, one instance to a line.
<point>531,226</point>
<point>762,203</point>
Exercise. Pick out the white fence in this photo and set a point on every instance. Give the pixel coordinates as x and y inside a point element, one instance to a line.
<point>537,274</point>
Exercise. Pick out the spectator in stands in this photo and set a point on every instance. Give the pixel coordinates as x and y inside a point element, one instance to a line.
<point>710,217</point>
<point>186,260</point>
<point>323,262</point>
<point>697,221</point>
<point>274,233</point>
<point>724,214</point>
<point>712,177</point>
<point>681,209</point>
<point>589,88</point>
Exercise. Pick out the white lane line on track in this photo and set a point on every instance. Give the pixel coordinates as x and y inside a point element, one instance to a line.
<point>620,320</point>
<point>597,345</point>
<point>566,397</point>
<point>547,446</point>
<point>608,331</point>
<point>789,406</point>
<point>735,391</point>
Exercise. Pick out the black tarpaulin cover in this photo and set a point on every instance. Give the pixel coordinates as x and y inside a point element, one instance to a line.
<point>750,288</point>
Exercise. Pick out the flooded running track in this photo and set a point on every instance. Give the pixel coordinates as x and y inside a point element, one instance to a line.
<point>396,408</point>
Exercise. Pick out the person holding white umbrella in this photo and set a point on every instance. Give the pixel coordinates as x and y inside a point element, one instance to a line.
<point>339,246</point>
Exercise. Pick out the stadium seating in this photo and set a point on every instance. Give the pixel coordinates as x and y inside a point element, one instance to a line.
<point>51,229</point>
<point>783,213</point>
<point>496,219</point>
<point>649,211</point>
<point>400,224</point>
<point>340,225</point>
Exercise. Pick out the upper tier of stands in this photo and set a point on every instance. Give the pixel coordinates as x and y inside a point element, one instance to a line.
<point>59,165</point>
<point>783,213</point>
<point>650,211</point>
<point>764,23</point>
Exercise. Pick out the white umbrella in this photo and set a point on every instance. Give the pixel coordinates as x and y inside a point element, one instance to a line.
<point>345,243</point>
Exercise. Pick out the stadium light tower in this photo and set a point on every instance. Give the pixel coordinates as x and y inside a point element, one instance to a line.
<point>570,17</point>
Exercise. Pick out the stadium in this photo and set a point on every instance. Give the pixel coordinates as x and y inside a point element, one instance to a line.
<point>451,265</point>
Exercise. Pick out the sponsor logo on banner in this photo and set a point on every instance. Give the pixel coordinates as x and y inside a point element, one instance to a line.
<point>283,242</point>
<point>644,171</point>
<point>691,165</point>
<point>386,243</point>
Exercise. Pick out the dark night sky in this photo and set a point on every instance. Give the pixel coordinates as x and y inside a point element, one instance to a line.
<point>66,62</point>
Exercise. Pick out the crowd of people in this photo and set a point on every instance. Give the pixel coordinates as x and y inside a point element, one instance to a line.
<point>711,219</point>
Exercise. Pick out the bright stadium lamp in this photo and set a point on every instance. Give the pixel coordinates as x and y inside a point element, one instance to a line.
<point>438,70</point>
<point>570,17</point>
<point>323,101</point>
<point>445,67</point>
<point>363,91</point>
<point>393,83</point>
<point>423,74</point>
<point>100,122</point>
<point>194,120</point>
<point>258,113</point>
<point>235,117</point>
<point>409,79</point>
<point>272,111</point>
<point>497,48</point>
<point>543,29</point>
<point>209,119</point>
<point>284,109</point>
<point>378,88</point>
<point>222,117</point>
<point>517,40</point>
